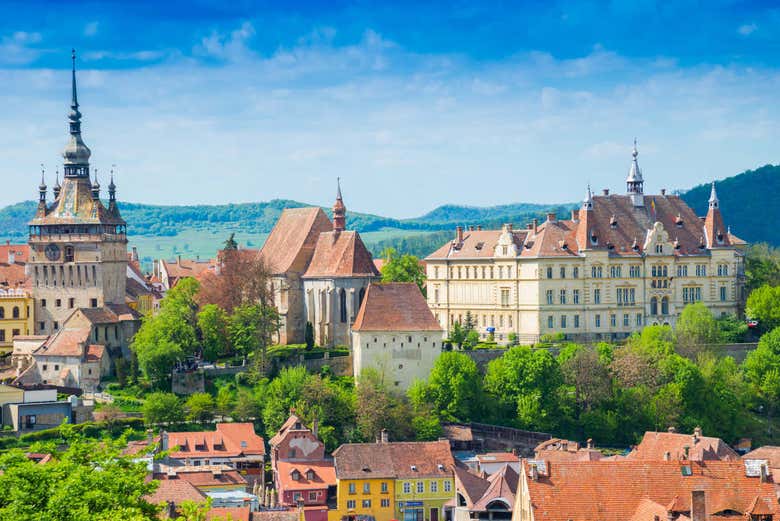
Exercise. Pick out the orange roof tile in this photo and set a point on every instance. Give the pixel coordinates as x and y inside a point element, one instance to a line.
<point>324,474</point>
<point>227,513</point>
<point>655,445</point>
<point>21,253</point>
<point>198,477</point>
<point>68,341</point>
<point>286,426</point>
<point>341,254</point>
<point>395,459</point>
<point>614,490</point>
<point>176,491</point>
<point>291,243</point>
<point>229,440</point>
<point>770,453</point>
<point>395,306</point>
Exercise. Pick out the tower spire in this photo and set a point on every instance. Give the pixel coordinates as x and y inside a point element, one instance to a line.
<point>634,181</point>
<point>587,203</point>
<point>713,201</point>
<point>57,186</point>
<point>96,187</point>
<point>42,186</point>
<point>112,186</point>
<point>339,210</point>
<point>76,153</point>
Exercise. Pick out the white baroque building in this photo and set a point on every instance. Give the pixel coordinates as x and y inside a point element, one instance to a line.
<point>619,263</point>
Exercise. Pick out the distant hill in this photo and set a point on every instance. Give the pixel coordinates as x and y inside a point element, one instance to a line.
<point>750,203</point>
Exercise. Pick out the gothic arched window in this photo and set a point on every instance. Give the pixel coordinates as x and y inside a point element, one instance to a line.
<point>654,306</point>
<point>665,306</point>
<point>361,294</point>
<point>343,304</point>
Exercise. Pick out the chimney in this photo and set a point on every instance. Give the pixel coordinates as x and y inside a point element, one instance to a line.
<point>575,215</point>
<point>590,443</point>
<point>135,254</point>
<point>671,429</point>
<point>605,191</point>
<point>536,224</point>
<point>667,456</point>
<point>471,227</point>
<point>764,474</point>
<point>686,451</point>
<point>178,259</point>
<point>383,435</point>
<point>551,217</point>
<point>479,227</point>
<point>533,472</point>
<point>459,234</point>
<point>697,433</point>
<point>663,191</point>
<point>11,256</point>
<point>316,427</point>
<point>698,506</point>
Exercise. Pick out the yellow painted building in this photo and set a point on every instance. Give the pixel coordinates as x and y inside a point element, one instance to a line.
<point>399,480</point>
<point>16,316</point>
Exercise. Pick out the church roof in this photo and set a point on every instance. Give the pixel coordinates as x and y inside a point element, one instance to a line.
<point>341,254</point>
<point>75,205</point>
<point>291,243</point>
<point>395,306</point>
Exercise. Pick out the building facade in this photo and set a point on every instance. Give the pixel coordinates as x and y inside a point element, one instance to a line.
<point>621,262</point>
<point>395,334</point>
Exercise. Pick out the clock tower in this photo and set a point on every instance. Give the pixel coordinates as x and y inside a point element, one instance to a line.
<point>78,247</point>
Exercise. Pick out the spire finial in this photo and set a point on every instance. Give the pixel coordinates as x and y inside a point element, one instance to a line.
<point>339,210</point>
<point>42,186</point>
<point>713,197</point>
<point>43,175</point>
<point>74,100</point>
<point>635,152</point>
<point>338,188</point>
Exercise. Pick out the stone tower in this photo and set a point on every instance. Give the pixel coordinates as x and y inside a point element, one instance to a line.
<point>78,247</point>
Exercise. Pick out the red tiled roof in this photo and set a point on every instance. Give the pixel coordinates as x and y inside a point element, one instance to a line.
<point>655,445</point>
<point>68,341</point>
<point>770,453</point>
<point>21,253</point>
<point>13,276</point>
<point>324,474</point>
<point>502,487</point>
<point>94,353</point>
<point>341,254</point>
<point>614,490</point>
<point>498,457</point>
<point>394,460</point>
<point>204,478</point>
<point>176,491</point>
<point>291,243</point>
<point>395,306</point>
<point>229,440</point>
<point>469,485</point>
<point>286,426</point>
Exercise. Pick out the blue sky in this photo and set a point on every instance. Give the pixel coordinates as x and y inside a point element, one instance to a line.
<point>412,104</point>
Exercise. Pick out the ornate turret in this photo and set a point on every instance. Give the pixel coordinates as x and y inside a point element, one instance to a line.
<point>57,186</point>
<point>96,188</point>
<point>76,153</point>
<point>42,186</point>
<point>713,202</point>
<point>587,203</point>
<point>714,228</point>
<point>634,181</point>
<point>112,206</point>
<point>339,210</point>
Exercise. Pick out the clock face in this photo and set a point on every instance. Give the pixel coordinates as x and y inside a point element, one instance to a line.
<point>52,252</point>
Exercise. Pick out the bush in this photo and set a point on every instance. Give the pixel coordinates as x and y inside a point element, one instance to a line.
<point>552,338</point>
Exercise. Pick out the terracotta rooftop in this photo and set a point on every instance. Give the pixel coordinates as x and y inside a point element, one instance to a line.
<point>68,341</point>
<point>615,490</point>
<point>288,425</point>
<point>558,450</point>
<point>341,254</point>
<point>502,485</point>
<point>182,268</point>
<point>231,514</point>
<point>324,474</point>
<point>655,445</point>
<point>396,306</point>
<point>498,457</point>
<point>13,276</point>
<point>291,243</point>
<point>397,460</point>
<point>229,440</point>
<point>19,252</point>
<point>771,453</point>
<point>176,491</point>
<point>198,477</point>
<point>75,205</point>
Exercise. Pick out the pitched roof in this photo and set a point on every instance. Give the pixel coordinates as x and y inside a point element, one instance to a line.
<point>75,205</point>
<point>68,341</point>
<point>21,253</point>
<point>94,353</point>
<point>324,474</point>
<point>229,513</point>
<point>110,314</point>
<point>502,487</point>
<point>655,445</point>
<point>176,491</point>
<point>182,268</point>
<point>200,477</point>
<point>614,490</point>
<point>341,254</point>
<point>229,440</point>
<point>397,460</point>
<point>291,243</point>
<point>771,453</point>
<point>395,306</point>
<point>13,276</point>
<point>469,485</point>
<point>288,425</point>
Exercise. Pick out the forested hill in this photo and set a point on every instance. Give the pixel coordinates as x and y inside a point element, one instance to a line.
<point>750,203</point>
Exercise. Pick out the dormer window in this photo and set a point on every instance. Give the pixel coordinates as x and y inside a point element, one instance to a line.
<point>659,248</point>
<point>593,238</point>
<point>678,222</point>
<point>297,426</point>
<point>479,246</point>
<point>613,222</point>
<point>719,238</point>
<point>310,475</point>
<point>295,475</point>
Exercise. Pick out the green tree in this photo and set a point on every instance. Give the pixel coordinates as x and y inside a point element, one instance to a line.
<point>226,400</point>
<point>458,335</point>
<point>763,304</point>
<point>308,336</point>
<point>283,394</point>
<point>454,388</point>
<point>377,409</point>
<point>695,329</point>
<point>200,407</point>
<point>230,243</point>
<point>246,407</point>
<point>762,266</point>
<point>163,408</point>
<point>472,339</point>
<point>762,367</point>
<point>251,328</point>
<point>402,268</point>
<point>213,325</point>
<point>89,481</point>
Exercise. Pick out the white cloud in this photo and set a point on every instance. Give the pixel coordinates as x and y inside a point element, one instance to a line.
<point>229,47</point>
<point>16,49</point>
<point>747,29</point>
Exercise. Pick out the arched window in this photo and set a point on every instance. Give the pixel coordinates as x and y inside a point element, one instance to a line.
<point>343,304</point>
<point>654,306</point>
<point>361,294</point>
<point>68,253</point>
<point>665,306</point>
<point>15,312</point>
<point>2,312</point>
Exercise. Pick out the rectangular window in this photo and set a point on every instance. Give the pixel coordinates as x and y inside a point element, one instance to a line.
<point>613,320</point>
<point>563,272</point>
<point>563,321</point>
<point>93,302</point>
<point>575,272</point>
<point>385,503</point>
<point>597,296</point>
<point>312,496</point>
<point>383,487</point>
<point>550,322</point>
<point>576,321</point>
<point>625,319</point>
<point>447,486</point>
<point>366,488</point>
<point>549,296</point>
<point>407,487</point>
<point>58,303</point>
<point>351,504</point>
<point>366,503</point>
<point>43,302</point>
<point>639,319</point>
<point>504,296</point>
<point>597,319</point>
<point>2,335</point>
<point>352,488</point>
<point>420,487</point>
<point>634,272</point>
<point>434,486</point>
<point>71,302</point>
<point>575,297</point>
<point>723,293</point>
<point>563,296</point>
<point>549,273</point>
